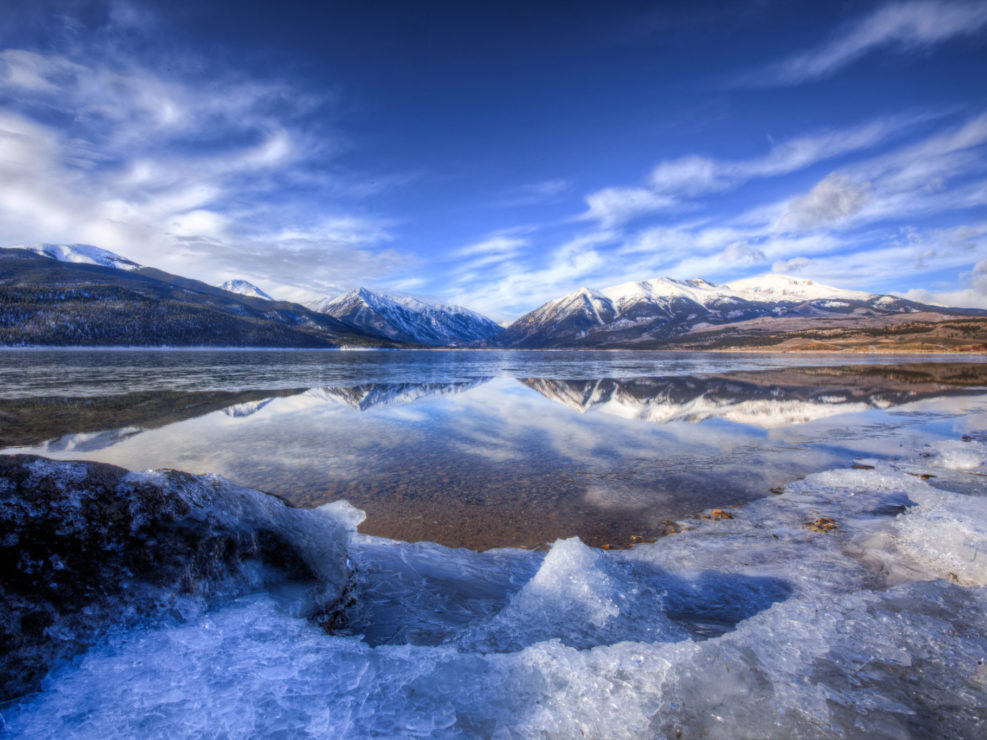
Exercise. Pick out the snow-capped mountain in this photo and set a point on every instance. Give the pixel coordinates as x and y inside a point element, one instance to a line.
<point>654,310</point>
<point>407,319</point>
<point>82,254</point>
<point>242,287</point>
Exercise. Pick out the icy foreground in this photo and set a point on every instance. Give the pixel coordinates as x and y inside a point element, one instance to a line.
<point>87,545</point>
<point>755,626</point>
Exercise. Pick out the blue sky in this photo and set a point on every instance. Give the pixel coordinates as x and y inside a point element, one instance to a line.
<point>501,154</point>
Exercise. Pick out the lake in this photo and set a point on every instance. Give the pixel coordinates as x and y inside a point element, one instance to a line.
<point>486,449</point>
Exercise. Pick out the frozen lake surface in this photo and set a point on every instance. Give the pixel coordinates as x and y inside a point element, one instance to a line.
<point>849,601</point>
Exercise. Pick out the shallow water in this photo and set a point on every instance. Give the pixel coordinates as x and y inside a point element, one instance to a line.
<point>488,449</point>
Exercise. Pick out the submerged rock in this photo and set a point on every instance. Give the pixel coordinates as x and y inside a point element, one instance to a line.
<point>85,545</point>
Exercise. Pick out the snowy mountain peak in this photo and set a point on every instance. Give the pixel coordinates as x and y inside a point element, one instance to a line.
<point>405,318</point>
<point>663,290</point>
<point>83,254</point>
<point>786,287</point>
<point>242,287</point>
<point>652,311</point>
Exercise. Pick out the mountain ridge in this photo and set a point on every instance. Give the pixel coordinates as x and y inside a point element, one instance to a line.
<point>46,301</point>
<point>243,287</point>
<point>408,319</point>
<point>651,312</point>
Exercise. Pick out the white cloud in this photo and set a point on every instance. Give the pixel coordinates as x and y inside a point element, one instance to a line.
<point>616,206</point>
<point>795,264</point>
<point>834,198</point>
<point>495,245</point>
<point>673,183</point>
<point>689,175</point>
<point>181,172</point>
<point>974,295</point>
<point>742,252</point>
<point>902,26</point>
<point>940,173</point>
<point>506,289</point>
<point>693,175</point>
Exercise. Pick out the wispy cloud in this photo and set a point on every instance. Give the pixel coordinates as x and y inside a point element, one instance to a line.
<point>833,199</point>
<point>496,245</point>
<point>693,175</point>
<point>897,26</point>
<point>940,173</point>
<point>508,287</point>
<point>186,172</point>
<point>616,206</point>
<point>674,185</point>
<point>535,193</point>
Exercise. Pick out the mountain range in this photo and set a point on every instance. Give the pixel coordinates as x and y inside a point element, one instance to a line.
<point>662,312</point>
<point>407,319</point>
<point>80,294</point>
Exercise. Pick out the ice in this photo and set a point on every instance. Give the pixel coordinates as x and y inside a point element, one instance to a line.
<point>960,455</point>
<point>763,625</point>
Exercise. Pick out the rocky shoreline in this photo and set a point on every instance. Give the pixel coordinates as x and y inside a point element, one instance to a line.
<point>86,546</point>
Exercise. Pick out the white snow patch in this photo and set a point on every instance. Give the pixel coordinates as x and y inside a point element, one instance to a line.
<point>85,254</point>
<point>242,287</point>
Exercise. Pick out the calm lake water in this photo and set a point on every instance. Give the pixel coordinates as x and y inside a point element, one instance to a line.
<point>490,449</point>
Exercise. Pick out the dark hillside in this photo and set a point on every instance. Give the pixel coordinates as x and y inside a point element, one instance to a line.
<point>46,302</point>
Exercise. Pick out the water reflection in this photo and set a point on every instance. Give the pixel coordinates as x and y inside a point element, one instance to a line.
<point>766,399</point>
<point>367,396</point>
<point>484,462</point>
<point>33,420</point>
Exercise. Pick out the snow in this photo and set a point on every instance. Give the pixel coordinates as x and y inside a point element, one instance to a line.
<point>659,289</point>
<point>84,254</point>
<point>242,287</point>
<point>770,288</point>
<point>695,300</point>
<point>407,318</point>
<point>755,626</point>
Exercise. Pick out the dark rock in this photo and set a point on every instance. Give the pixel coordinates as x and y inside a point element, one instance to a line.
<point>87,545</point>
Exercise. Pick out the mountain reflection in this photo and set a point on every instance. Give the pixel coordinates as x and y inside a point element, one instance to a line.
<point>33,420</point>
<point>455,459</point>
<point>370,395</point>
<point>90,423</point>
<point>765,399</point>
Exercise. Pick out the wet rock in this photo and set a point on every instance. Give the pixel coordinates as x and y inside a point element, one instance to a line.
<point>87,545</point>
<point>822,524</point>
<point>716,514</point>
